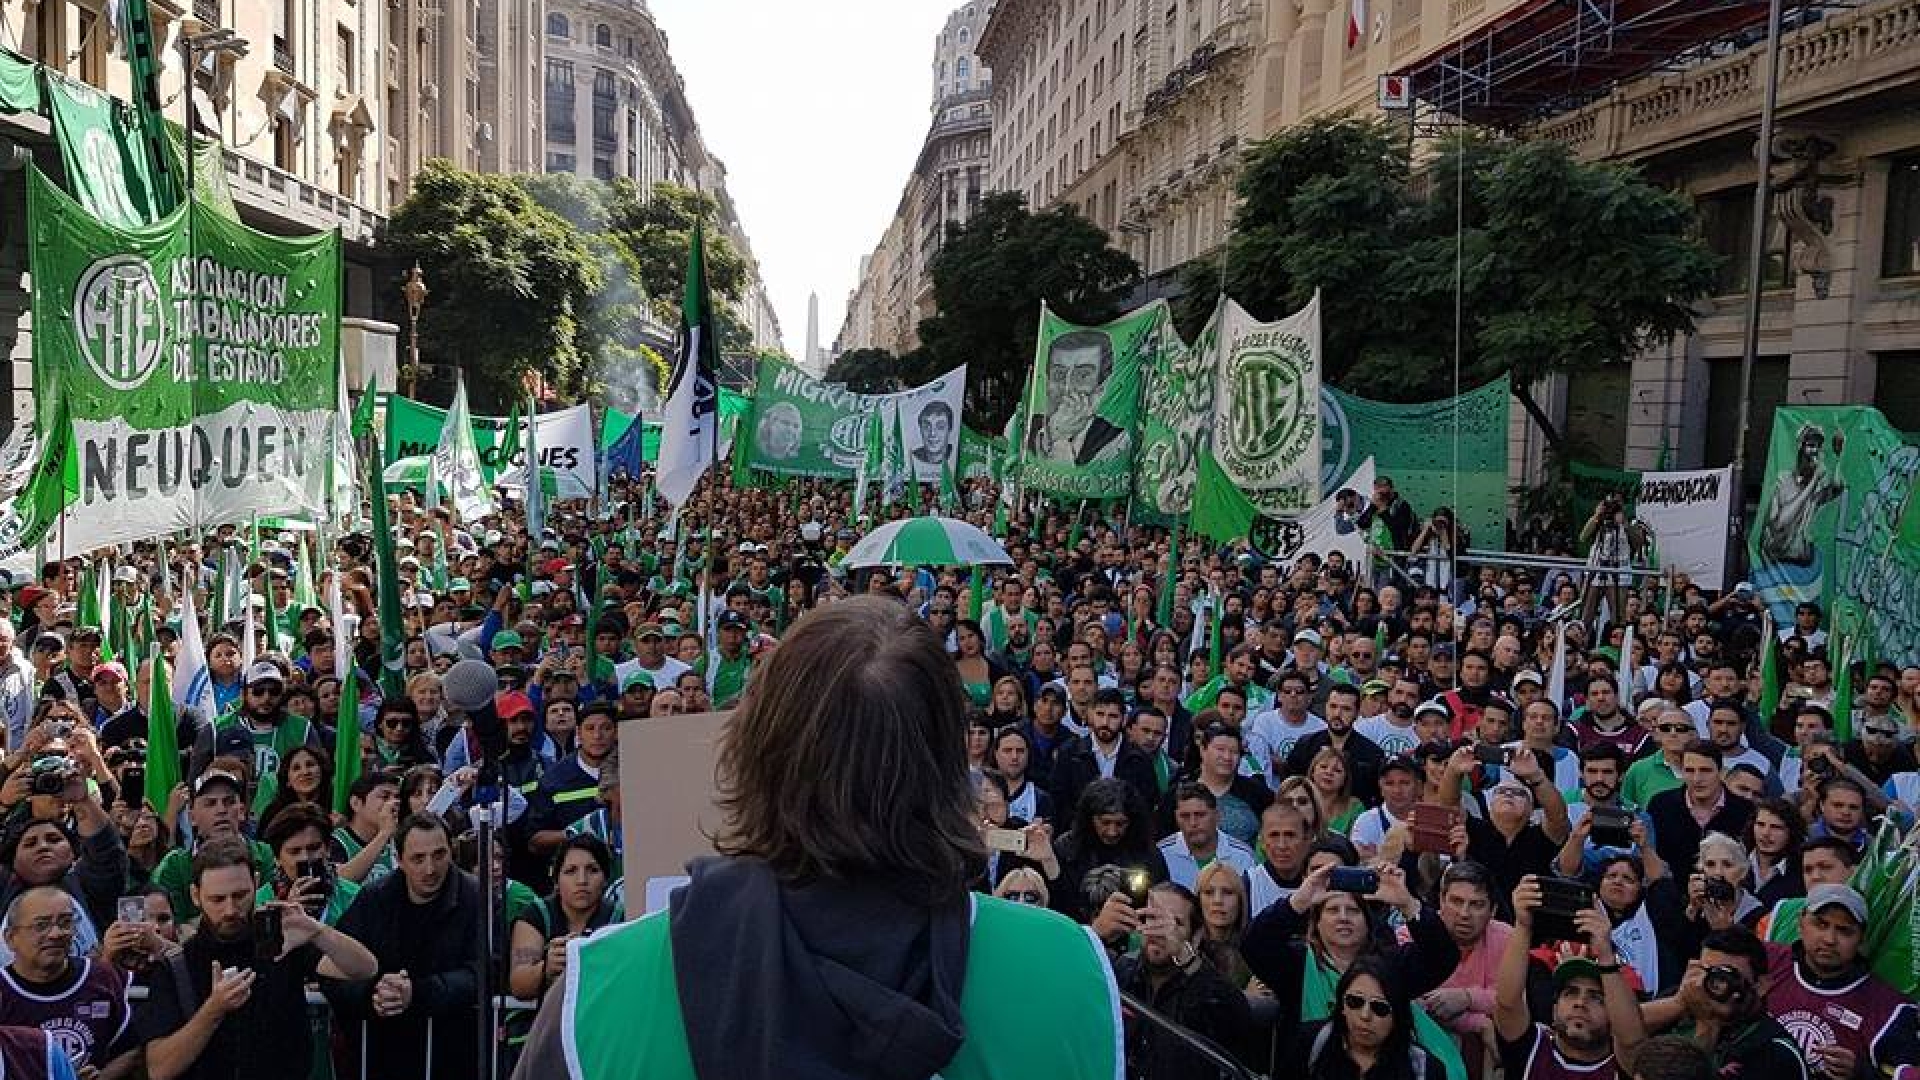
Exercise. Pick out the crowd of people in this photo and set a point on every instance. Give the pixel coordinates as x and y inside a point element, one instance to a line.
<point>1323,815</point>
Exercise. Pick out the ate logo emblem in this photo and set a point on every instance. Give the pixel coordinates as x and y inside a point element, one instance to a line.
<point>1276,538</point>
<point>119,321</point>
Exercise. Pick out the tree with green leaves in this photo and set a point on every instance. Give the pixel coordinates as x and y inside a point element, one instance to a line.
<point>1559,264</point>
<point>510,281</point>
<point>867,371</point>
<point>989,280</point>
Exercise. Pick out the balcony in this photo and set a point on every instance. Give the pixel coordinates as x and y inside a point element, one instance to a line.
<point>264,190</point>
<point>1869,45</point>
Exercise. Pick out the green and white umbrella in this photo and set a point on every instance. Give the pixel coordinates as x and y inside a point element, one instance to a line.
<point>927,541</point>
<point>410,471</point>
<point>556,483</point>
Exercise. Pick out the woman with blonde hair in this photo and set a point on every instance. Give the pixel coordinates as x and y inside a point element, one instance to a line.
<point>1296,792</point>
<point>1332,784</point>
<point>1023,885</point>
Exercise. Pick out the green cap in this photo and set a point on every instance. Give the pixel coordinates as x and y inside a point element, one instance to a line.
<point>459,584</point>
<point>508,639</point>
<point>636,678</point>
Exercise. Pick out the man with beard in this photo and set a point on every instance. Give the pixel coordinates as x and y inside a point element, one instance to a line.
<point>1237,673</point>
<point>1595,1011</point>
<point>1008,610</point>
<point>216,812</point>
<point>1177,982</point>
<point>80,1003</point>
<point>1103,752</point>
<point>1721,1007</point>
<point>219,1009</point>
<point>1850,1024</point>
<point>1362,755</point>
<point>260,731</point>
<point>1392,731</point>
<point>1468,700</point>
<point>420,922</point>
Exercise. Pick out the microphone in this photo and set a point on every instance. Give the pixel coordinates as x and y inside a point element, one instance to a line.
<point>471,686</point>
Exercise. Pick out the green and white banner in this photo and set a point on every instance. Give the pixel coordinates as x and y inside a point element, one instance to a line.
<point>1266,416</point>
<point>1414,446</point>
<point>106,163</point>
<point>1176,407</point>
<point>1081,406</point>
<point>804,427</point>
<point>565,439</point>
<point>1837,526</point>
<point>981,456</point>
<point>198,367</point>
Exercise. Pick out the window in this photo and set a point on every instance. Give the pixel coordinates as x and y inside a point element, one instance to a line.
<point>1900,248</point>
<point>966,35</point>
<point>605,101</point>
<point>1726,224</point>
<point>560,98</point>
<point>284,20</point>
<point>603,36</point>
<point>343,60</point>
<point>560,163</point>
<point>961,71</point>
<point>559,27</point>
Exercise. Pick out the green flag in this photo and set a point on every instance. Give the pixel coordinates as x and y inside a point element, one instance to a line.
<point>48,483</point>
<point>1169,575</point>
<point>105,156</point>
<point>1081,404</point>
<point>346,740</point>
<point>163,740</point>
<point>392,635</point>
<point>1843,688</point>
<point>362,425</point>
<point>1220,511</point>
<point>1769,672</point>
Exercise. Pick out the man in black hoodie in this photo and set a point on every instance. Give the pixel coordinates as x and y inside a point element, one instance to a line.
<point>836,936</point>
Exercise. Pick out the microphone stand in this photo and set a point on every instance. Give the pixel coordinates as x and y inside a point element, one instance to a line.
<point>490,779</point>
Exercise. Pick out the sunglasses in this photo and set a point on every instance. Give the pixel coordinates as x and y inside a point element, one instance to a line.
<point>1024,896</point>
<point>1673,729</point>
<point>264,691</point>
<point>1380,1007</point>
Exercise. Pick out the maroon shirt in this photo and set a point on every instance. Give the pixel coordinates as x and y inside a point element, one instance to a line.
<point>85,1012</point>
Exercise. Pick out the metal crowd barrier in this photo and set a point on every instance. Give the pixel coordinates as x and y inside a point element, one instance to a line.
<point>320,1019</point>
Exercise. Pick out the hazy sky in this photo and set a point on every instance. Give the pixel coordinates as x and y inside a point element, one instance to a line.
<point>818,109</point>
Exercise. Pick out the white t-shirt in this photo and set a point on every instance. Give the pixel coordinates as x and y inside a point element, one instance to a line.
<point>1271,738</point>
<point>1371,827</point>
<point>1391,738</point>
<point>662,676</point>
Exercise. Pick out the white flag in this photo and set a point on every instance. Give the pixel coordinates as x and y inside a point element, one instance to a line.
<point>1266,408</point>
<point>192,680</point>
<point>457,462</point>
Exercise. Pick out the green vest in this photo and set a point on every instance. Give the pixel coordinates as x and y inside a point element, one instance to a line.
<point>622,1021</point>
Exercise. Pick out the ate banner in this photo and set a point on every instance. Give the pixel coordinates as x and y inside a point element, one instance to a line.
<point>1080,408</point>
<point>1176,405</point>
<point>1414,446</point>
<point>1836,526</point>
<point>981,456</point>
<point>1687,512</point>
<point>565,439</point>
<point>804,427</point>
<point>197,367</point>
<point>106,162</point>
<point>1266,408</point>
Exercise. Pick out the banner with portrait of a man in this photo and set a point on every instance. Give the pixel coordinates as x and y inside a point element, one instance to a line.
<point>1081,404</point>
<point>802,426</point>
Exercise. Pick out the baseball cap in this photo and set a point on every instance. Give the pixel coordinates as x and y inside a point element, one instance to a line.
<point>125,575</point>
<point>1310,636</point>
<point>1432,705</point>
<point>647,630</point>
<point>112,668</point>
<point>733,619</point>
<point>85,633</point>
<point>1373,686</point>
<point>554,566</point>
<point>508,639</point>
<point>1821,897</point>
<point>219,776</point>
<point>1528,676</point>
<point>48,642</point>
<point>459,584</point>
<point>512,703</point>
<point>1575,967</point>
<point>492,537</point>
<point>1404,763</point>
<point>636,678</point>
<point>264,671</point>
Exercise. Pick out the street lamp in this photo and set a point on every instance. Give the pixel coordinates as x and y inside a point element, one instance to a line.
<point>414,290</point>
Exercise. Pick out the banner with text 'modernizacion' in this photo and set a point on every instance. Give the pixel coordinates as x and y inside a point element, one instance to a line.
<point>196,360</point>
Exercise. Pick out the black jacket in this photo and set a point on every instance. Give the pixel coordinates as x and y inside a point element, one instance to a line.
<point>1676,836</point>
<point>437,945</point>
<point>1364,758</point>
<point>1202,1001</point>
<point>1075,766</point>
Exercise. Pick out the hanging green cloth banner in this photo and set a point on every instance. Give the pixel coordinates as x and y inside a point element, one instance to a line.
<point>1837,526</point>
<point>566,439</point>
<point>198,366</point>
<point>1081,406</point>
<point>1174,413</point>
<point>981,456</point>
<point>1413,446</point>
<point>100,145</point>
<point>19,83</point>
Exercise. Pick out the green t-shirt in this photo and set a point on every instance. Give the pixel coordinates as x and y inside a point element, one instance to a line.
<point>1646,778</point>
<point>175,875</point>
<point>337,904</point>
